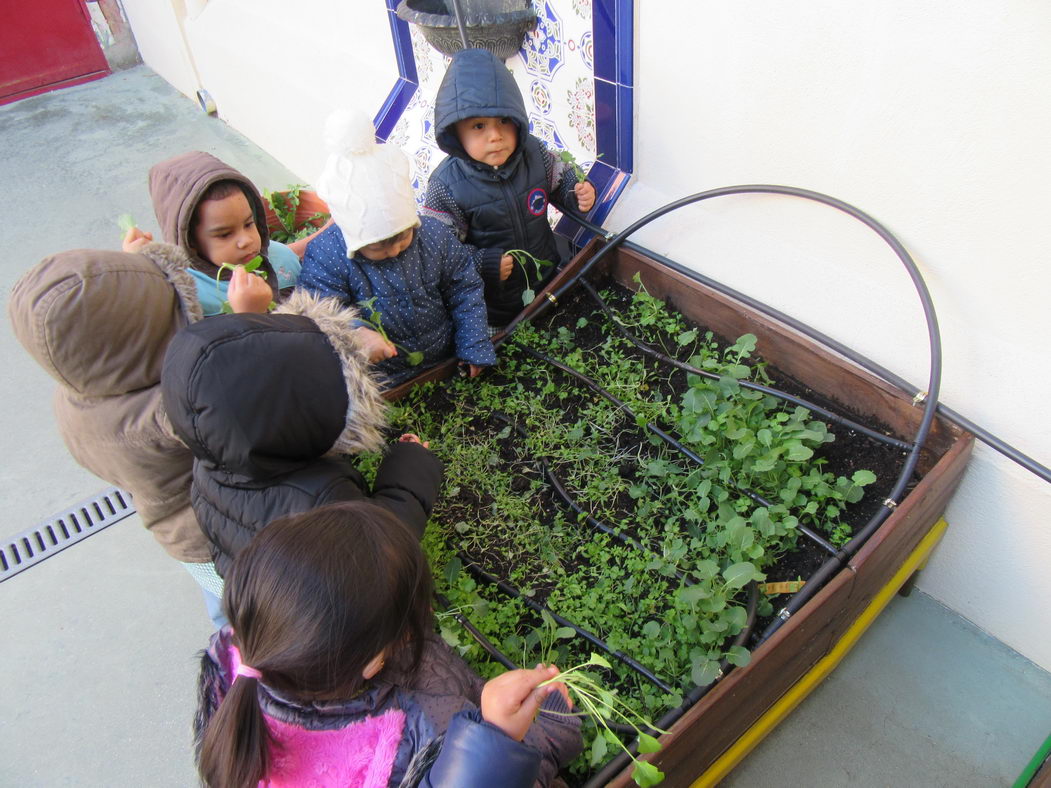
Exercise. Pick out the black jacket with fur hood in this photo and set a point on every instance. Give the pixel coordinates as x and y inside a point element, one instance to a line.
<point>270,405</point>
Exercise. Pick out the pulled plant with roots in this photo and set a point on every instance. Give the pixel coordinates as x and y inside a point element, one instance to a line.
<point>604,707</point>
<point>524,260</point>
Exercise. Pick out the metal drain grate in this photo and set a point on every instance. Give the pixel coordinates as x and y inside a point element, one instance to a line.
<point>61,530</point>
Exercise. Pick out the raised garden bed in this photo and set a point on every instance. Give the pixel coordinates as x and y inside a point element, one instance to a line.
<point>641,512</point>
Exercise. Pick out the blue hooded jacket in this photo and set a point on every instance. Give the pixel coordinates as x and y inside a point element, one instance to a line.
<point>495,209</point>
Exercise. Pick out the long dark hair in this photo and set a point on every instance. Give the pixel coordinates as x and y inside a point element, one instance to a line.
<point>312,600</point>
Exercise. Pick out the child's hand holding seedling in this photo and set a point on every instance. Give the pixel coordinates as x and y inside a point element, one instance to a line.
<point>247,292</point>
<point>507,265</point>
<point>375,344</point>
<point>512,699</point>
<point>585,196</point>
<point>134,238</point>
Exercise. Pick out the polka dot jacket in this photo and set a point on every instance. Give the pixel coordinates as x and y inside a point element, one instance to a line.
<point>429,298</point>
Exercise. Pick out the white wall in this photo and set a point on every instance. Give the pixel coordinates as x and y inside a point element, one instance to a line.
<point>931,117</point>
<point>934,119</point>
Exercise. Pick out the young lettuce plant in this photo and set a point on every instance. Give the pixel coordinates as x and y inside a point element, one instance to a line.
<point>375,319</point>
<point>524,260</point>
<point>604,706</point>
<point>251,267</point>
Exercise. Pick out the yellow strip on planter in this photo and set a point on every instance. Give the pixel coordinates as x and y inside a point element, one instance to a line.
<point>809,681</point>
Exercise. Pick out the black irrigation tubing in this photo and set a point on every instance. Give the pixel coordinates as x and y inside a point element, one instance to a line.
<point>474,632</point>
<point>930,397</point>
<point>746,384</point>
<point>986,437</point>
<point>511,591</point>
<point>563,493</point>
<point>591,384</point>
<point>617,764</point>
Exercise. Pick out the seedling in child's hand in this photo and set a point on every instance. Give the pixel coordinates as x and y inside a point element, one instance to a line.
<point>603,705</point>
<point>522,257</point>
<point>251,267</point>
<point>126,223</point>
<point>375,319</point>
<point>571,160</point>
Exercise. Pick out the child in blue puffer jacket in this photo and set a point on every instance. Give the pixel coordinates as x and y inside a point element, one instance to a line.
<point>411,277</point>
<point>331,674</point>
<point>495,185</point>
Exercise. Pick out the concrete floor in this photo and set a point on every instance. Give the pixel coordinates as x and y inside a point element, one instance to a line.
<point>99,641</point>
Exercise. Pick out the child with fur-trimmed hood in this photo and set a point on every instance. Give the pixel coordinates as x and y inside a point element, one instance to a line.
<point>410,275</point>
<point>271,405</point>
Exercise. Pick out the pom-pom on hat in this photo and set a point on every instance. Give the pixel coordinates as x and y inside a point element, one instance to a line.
<point>365,184</point>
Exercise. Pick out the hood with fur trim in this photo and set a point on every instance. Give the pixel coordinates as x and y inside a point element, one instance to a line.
<point>256,397</point>
<point>476,84</point>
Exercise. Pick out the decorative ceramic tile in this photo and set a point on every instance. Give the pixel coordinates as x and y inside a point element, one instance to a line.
<point>574,42</point>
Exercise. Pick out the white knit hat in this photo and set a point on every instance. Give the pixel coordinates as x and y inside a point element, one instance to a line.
<point>365,184</point>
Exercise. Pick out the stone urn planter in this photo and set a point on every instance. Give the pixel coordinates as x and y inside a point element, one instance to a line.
<point>496,25</point>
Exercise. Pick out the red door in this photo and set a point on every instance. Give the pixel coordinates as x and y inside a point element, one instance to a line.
<point>46,44</point>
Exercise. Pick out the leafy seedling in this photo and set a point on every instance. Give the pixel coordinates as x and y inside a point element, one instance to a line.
<point>126,223</point>
<point>604,706</point>
<point>525,260</point>
<point>284,205</point>
<point>571,160</point>
<point>375,319</point>
<point>251,267</point>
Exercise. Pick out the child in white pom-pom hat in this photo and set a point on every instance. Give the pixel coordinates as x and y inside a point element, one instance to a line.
<point>411,275</point>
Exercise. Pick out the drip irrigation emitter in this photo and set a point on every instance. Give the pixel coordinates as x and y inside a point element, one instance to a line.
<point>929,401</point>
<point>668,439</point>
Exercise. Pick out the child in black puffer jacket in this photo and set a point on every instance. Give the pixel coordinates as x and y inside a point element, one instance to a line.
<point>271,405</point>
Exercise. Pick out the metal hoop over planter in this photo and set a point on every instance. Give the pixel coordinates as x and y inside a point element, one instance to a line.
<point>452,25</point>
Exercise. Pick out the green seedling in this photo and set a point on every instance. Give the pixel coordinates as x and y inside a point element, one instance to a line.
<point>604,706</point>
<point>571,160</point>
<point>284,205</point>
<point>125,222</point>
<point>375,319</point>
<point>251,267</point>
<point>524,260</point>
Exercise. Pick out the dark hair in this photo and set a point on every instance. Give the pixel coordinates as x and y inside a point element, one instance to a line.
<point>312,600</point>
<point>219,190</point>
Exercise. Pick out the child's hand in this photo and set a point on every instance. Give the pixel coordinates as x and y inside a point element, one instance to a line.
<point>410,437</point>
<point>512,699</point>
<point>507,265</point>
<point>375,345</point>
<point>135,239</point>
<point>248,292</point>
<point>585,196</point>
<point>474,370</point>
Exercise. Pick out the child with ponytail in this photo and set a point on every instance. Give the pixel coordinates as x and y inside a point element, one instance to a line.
<point>331,674</point>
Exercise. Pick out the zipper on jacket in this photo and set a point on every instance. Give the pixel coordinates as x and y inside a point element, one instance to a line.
<point>513,211</point>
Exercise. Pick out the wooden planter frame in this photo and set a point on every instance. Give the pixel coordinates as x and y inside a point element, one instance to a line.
<point>736,703</point>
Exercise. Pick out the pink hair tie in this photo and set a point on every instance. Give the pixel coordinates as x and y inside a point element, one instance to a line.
<point>248,671</point>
